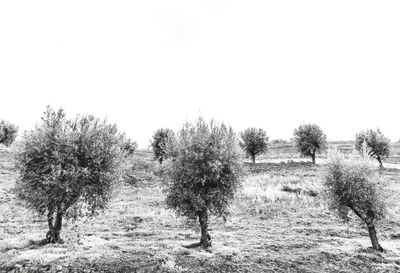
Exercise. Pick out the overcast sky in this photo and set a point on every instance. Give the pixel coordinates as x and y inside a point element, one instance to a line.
<point>151,64</point>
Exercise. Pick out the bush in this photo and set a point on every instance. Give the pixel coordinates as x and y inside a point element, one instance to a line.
<point>205,174</point>
<point>377,145</point>
<point>353,185</point>
<point>161,139</point>
<point>8,133</point>
<point>254,141</point>
<point>67,167</point>
<point>309,139</point>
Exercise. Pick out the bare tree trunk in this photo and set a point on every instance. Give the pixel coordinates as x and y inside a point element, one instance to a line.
<point>205,240</point>
<point>369,221</point>
<point>380,161</point>
<point>372,235</point>
<point>50,218</point>
<point>53,235</point>
<point>253,158</point>
<point>313,157</point>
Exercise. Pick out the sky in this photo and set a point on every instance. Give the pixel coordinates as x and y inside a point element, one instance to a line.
<point>152,64</point>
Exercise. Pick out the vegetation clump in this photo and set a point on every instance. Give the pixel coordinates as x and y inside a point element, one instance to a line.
<point>353,185</point>
<point>204,174</point>
<point>68,167</point>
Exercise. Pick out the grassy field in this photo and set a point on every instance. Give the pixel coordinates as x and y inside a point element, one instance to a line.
<point>279,223</point>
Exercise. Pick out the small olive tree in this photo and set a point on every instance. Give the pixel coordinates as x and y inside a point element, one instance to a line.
<point>129,147</point>
<point>309,139</point>
<point>159,143</point>
<point>204,174</point>
<point>8,133</point>
<point>254,141</point>
<point>67,168</point>
<point>353,185</point>
<point>378,146</point>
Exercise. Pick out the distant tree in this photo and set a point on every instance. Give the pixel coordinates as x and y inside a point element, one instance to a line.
<point>204,174</point>
<point>67,168</point>
<point>354,185</point>
<point>309,139</point>
<point>8,133</point>
<point>254,141</point>
<point>159,143</point>
<point>378,145</point>
<point>129,147</point>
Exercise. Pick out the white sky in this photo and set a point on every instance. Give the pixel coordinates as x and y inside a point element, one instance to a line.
<point>151,64</point>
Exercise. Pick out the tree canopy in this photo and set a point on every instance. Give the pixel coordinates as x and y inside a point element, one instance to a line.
<point>67,167</point>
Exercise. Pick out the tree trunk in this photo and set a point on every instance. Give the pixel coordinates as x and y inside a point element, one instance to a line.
<point>380,161</point>
<point>53,235</point>
<point>372,235</point>
<point>205,240</point>
<point>313,157</point>
<point>253,158</point>
<point>369,221</point>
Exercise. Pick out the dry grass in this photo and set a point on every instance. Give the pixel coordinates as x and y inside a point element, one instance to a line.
<point>279,223</point>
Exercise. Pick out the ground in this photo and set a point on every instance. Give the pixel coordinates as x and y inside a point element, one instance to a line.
<point>279,223</point>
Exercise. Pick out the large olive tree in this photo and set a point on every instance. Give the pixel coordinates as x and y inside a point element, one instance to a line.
<point>67,167</point>
<point>353,185</point>
<point>204,173</point>
<point>309,139</point>
<point>377,145</point>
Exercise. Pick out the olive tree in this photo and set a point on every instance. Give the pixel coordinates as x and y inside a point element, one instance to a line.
<point>159,143</point>
<point>129,146</point>
<point>254,141</point>
<point>309,139</point>
<point>67,167</point>
<point>353,185</point>
<point>8,133</point>
<point>204,174</point>
<point>378,145</point>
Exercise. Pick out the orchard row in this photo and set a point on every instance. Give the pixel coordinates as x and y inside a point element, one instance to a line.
<point>67,169</point>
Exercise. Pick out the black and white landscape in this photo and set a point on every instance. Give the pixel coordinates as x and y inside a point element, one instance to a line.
<point>199,136</point>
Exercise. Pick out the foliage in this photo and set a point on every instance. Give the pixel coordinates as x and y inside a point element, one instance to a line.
<point>205,172</point>
<point>353,185</point>
<point>309,139</point>
<point>68,167</point>
<point>129,147</point>
<point>160,143</point>
<point>254,141</point>
<point>378,145</point>
<point>8,133</point>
